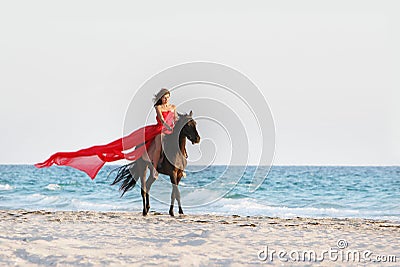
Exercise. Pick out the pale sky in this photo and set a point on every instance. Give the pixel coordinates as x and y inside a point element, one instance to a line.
<point>329,71</point>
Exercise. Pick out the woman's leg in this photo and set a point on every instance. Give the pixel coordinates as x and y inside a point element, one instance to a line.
<point>157,152</point>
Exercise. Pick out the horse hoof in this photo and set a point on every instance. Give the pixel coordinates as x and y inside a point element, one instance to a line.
<point>171,212</point>
<point>144,213</point>
<point>180,211</point>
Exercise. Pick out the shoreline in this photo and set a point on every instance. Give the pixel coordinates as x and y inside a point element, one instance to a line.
<point>197,213</point>
<point>127,238</point>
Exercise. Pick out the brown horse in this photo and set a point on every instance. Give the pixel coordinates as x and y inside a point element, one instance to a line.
<point>172,162</point>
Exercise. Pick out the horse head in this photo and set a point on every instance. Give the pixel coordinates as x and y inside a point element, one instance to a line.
<point>187,127</point>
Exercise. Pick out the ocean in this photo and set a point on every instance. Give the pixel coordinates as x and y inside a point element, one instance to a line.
<point>287,191</point>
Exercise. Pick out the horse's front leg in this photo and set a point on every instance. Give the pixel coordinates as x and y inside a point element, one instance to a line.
<point>175,195</point>
<point>174,182</point>
<point>178,199</point>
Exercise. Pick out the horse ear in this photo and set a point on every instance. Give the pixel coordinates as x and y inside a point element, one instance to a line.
<point>179,114</point>
<point>190,113</point>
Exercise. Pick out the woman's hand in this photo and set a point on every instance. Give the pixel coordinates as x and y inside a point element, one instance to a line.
<point>168,127</point>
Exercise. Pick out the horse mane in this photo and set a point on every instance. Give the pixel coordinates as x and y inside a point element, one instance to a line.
<point>182,120</point>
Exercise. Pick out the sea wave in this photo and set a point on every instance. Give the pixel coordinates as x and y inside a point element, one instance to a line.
<point>6,187</point>
<point>43,199</point>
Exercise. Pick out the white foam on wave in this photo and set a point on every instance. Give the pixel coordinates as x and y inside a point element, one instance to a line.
<point>6,187</point>
<point>251,207</point>
<point>53,187</point>
<point>77,204</point>
<point>43,199</point>
<point>201,196</point>
<point>60,202</point>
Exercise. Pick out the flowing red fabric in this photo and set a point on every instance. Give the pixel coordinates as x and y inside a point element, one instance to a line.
<point>91,160</point>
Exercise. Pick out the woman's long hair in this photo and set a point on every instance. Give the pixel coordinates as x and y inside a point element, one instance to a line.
<point>157,97</point>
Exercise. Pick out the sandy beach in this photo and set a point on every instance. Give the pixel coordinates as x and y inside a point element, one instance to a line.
<point>87,238</point>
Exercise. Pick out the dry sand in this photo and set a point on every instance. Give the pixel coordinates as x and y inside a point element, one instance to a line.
<point>86,238</point>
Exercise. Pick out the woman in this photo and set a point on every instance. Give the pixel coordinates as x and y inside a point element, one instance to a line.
<point>163,108</point>
<point>91,160</point>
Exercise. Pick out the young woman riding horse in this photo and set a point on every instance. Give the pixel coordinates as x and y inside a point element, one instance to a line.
<point>171,129</point>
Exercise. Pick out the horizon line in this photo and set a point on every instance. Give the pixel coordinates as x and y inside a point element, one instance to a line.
<point>255,165</point>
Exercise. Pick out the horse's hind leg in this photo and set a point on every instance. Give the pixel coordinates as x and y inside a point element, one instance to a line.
<point>149,182</point>
<point>144,202</point>
<point>143,189</point>
<point>171,208</point>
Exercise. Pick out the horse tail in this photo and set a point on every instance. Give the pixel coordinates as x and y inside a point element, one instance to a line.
<point>127,174</point>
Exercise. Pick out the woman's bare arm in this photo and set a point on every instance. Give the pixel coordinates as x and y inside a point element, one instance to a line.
<point>175,114</point>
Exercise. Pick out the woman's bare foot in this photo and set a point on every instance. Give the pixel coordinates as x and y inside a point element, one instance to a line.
<point>155,173</point>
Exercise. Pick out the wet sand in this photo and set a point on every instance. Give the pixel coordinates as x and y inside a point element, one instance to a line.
<point>87,238</point>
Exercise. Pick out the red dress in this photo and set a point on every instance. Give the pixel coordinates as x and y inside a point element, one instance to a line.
<point>91,160</point>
